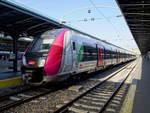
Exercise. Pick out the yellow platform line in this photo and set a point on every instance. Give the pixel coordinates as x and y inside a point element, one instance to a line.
<point>11,81</point>
<point>128,102</point>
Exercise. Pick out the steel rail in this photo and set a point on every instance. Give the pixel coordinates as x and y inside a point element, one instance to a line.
<point>115,92</point>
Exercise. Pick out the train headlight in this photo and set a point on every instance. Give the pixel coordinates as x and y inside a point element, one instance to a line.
<point>41,62</point>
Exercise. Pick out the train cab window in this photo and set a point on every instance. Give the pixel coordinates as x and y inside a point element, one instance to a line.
<point>74,46</point>
<point>43,42</point>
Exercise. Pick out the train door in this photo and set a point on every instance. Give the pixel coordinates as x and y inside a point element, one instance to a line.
<point>100,56</point>
<point>74,55</point>
<point>67,59</point>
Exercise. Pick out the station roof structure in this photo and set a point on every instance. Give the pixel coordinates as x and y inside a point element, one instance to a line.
<point>20,20</point>
<point>137,16</point>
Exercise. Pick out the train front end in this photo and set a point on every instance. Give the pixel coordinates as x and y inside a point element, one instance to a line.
<point>42,60</point>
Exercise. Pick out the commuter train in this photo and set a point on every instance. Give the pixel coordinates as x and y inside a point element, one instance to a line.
<point>57,54</point>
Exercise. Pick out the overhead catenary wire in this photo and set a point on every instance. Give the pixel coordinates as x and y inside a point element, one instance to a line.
<point>105,17</point>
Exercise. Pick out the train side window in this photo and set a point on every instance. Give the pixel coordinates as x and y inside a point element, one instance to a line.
<point>74,46</point>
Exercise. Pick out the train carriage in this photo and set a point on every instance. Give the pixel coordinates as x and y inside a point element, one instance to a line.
<point>58,54</point>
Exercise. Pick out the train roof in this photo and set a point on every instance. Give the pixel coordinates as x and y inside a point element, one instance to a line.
<point>93,37</point>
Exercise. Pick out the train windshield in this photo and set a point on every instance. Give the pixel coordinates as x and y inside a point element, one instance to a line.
<point>44,41</point>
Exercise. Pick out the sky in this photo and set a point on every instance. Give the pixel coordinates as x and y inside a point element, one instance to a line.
<point>106,25</point>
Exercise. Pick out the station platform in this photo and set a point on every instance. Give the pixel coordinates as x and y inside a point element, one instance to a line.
<point>137,99</point>
<point>9,79</point>
<point>142,94</point>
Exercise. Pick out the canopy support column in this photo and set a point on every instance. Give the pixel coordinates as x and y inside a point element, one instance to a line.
<point>15,52</point>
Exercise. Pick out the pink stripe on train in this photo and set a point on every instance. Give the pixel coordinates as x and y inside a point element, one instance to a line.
<point>54,58</point>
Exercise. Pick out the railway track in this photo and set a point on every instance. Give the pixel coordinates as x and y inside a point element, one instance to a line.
<point>23,97</point>
<point>96,99</point>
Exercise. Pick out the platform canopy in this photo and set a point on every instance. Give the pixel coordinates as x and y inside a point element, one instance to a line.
<point>19,20</point>
<point>137,16</point>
